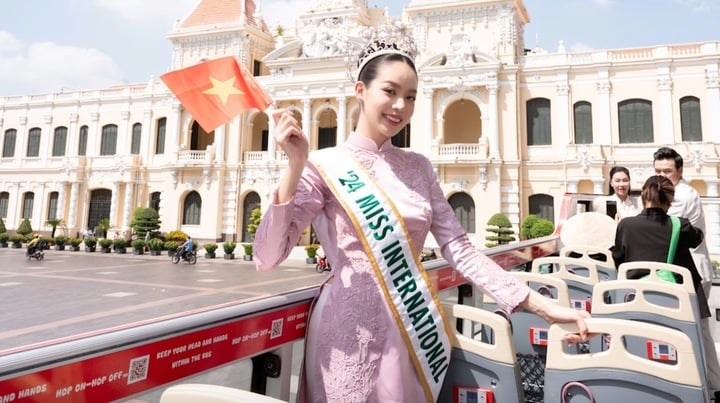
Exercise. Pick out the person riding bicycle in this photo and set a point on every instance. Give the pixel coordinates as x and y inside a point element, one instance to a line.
<point>33,244</point>
<point>187,247</point>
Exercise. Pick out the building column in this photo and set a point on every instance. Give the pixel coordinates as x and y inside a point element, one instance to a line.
<point>572,186</point>
<point>21,140</point>
<point>598,186</point>
<point>172,131</point>
<point>39,207</point>
<point>46,140</point>
<point>114,203</point>
<point>93,135</point>
<point>428,100</point>
<point>341,120</point>
<point>147,146</point>
<point>219,143</point>
<point>12,214</point>
<point>494,118</point>
<point>72,219</point>
<point>129,190</point>
<point>73,136</point>
<point>711,104</point>
<point>306,117</point>
<point>666,107</point>
<point>123,137</point>
<point>561,110</point>
<point>602,130</point>
<point>61,202</point>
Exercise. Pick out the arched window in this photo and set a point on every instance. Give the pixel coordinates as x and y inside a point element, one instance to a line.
<point>636,121</point>
<point>136,137</point>
<point>4,201</point>
<point>33,144</point>
<point>27,206</point>
<point>690,122</point>
<point>251,202</point>
<point>464,208</point>
<point>542,206</point>
<point>538,122</point>
<point>582,118</point>
<point>59,141</point>
<point>82,141</point>
<point>9,143</point>
<point>108,141</point>
<point>192,208</point>
<point>53,205</point>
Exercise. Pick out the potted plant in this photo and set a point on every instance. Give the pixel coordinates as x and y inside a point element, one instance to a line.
<point>105,245</point>
<point>311,251</point>
<point>75,244</point>
<point>90,243</point>
<point>248,250</point>
<point>210,249</point>
<point>138,245</point>
<point>16,241</point>
<point>4,237</point>
<point>155,246</point>
<point>60,241</point>
<point>171,247</point>
<point>229,248</point>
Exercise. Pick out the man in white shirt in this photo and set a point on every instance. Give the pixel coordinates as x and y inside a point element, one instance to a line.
<point>668,163</point>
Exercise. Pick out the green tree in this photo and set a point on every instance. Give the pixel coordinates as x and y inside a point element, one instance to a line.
<point>145,219</point>
<point>536,227</point>
<point>255,218</point>
<point>500,226</point>
<point>53,222</point>
<point>2,226</point>
<point>103,227</point>
<point>24,228</point>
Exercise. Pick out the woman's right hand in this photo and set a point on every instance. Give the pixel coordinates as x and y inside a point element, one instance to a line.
<point>290,137</point>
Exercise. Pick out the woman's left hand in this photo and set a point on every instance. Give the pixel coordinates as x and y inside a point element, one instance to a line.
<point>553,312</point>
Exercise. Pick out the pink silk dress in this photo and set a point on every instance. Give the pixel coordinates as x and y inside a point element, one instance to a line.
<point>354,351</point>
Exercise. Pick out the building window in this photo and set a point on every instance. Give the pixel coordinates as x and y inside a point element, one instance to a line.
<point>582,116</point>
<point>327,137</point>
<point>108,141</point>
<point>9,143</point>
<point>136,137</point>
<point>636,121</point>
<point>538,122</point>
<point>33,146</point>
<point>155,201</point>
<point>257,68</point>
<point>53,205</point>
<point>4,201</point>
<point>160,139</point>
<point>59,141</point>
<point>82,141</point>
<point>192,208</point>
<point>27,206</point>
<point>542,206</point>
<point>690,122</point>
<point>464,208</point>
<point>402,139</point>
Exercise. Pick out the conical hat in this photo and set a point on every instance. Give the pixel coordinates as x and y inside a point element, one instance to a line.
<point>591,229</point>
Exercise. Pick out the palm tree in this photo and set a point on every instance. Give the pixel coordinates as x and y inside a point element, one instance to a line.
<point>53,222</point>
<point>104,226</point>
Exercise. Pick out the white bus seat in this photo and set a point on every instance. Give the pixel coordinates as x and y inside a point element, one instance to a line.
<point>195,392</point>
<point>480,365</point>
<point>590,228</point>
<point>579,274</point>
<point>660,303</point>
<point>616,375</point>
<point>606,266</point>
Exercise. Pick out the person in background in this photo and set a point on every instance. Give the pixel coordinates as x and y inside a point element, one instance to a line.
<point>187,247</point>
<point>619,197</point>
<point>669,163</point>
<point>147,239</point>
<point>355,346</point>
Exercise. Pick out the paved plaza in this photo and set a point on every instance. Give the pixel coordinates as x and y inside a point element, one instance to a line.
<point>69,293</point>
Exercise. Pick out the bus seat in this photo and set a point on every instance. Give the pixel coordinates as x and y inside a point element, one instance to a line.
<point>656,302</point>
<point>480,365</point>
<point>602,257</point>
<point>579,274</point>
<point>195,392</point>
<point>590,228</point>
<point>616,374</point>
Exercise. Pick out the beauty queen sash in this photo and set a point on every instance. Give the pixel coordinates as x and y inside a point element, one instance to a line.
<point>403,282</point>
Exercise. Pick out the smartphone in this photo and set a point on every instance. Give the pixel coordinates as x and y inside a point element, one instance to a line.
<point>611,208</point>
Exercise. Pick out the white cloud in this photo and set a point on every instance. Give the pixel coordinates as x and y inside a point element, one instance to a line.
<point>47,66</point>
<point>9,43</point>
<point>698,5</point>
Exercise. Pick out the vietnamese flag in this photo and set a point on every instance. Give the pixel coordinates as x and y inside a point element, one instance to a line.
<point>216,91</point>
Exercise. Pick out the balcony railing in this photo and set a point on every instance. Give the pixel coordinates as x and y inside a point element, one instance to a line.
<point>460,152</point>
<point>194,156</point>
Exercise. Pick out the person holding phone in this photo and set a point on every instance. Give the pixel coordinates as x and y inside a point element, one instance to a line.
<point>619,203</point>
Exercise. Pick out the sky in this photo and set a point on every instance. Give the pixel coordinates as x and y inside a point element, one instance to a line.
<point>65,45</point>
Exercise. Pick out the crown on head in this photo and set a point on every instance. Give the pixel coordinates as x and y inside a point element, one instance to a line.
<point>384,39</point>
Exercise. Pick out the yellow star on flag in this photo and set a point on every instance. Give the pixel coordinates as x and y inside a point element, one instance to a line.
<point>223,89</point>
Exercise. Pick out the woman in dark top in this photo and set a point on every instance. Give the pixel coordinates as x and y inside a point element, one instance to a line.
<point>646,237</point>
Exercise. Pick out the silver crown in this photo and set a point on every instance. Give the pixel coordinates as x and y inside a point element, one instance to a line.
<point>381,40</point>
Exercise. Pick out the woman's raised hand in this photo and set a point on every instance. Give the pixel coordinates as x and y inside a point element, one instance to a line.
<point>290,137</point>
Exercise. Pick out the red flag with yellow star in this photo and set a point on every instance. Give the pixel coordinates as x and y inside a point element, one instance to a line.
<point>216,91</point>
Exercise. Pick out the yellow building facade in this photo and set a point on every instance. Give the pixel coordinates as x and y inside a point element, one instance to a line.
<point>509,129</point>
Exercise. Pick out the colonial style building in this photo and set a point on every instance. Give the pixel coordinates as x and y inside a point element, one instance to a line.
<point>509,129</point>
